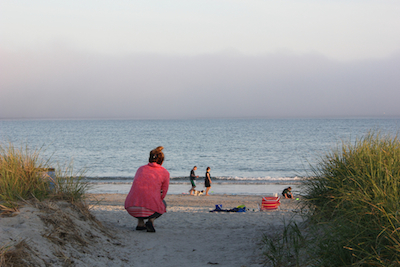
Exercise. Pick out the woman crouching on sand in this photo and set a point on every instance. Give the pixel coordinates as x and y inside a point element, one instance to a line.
<point>149,188</point>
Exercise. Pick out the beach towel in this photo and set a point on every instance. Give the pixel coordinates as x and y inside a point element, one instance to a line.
<point>241,208</point>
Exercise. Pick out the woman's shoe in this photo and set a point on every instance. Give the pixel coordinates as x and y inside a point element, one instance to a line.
<point>139,228</point>
<point>150,227</point>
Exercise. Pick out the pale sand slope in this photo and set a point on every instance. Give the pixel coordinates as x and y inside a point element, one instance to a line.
<point>187,235</point>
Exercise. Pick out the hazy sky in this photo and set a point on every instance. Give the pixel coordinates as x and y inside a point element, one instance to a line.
<point>196,59</point>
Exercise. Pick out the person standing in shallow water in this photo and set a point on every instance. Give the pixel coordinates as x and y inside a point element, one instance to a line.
<point>145,200</point>
<point>207,181</point>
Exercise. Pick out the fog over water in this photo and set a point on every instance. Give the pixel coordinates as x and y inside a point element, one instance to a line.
<point>63,83</point>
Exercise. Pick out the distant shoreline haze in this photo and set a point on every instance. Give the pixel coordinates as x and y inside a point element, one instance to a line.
<point>66,84</point>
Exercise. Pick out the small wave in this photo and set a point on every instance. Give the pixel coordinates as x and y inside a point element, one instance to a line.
<point>266,178</point>
<point>115,183</point>
<point>216,179</point>
<point>111,178</point>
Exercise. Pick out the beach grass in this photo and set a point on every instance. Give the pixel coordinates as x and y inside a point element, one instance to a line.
<point>3,251</point>
<point>354,200</point>
<point>285,248</point>
<point>68,184</point>
<point>21,175</point>
<point>355,193</point>
<point>24,176</point>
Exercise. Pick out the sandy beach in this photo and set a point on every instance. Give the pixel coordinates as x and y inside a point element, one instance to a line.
<point>187,235</point>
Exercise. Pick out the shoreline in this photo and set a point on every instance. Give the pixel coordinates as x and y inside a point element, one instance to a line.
<point>216,189</point>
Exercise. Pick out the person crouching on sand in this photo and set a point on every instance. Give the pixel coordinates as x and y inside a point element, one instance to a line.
<point>207,181</point>
<point>287,192</point>
<point>145,200</point>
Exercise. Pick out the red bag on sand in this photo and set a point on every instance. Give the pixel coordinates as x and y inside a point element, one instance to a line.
<point>270,203</point>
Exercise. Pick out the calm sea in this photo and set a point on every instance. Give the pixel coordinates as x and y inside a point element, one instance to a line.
<point>245,154</point>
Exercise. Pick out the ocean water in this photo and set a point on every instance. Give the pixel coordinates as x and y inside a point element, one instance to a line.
<point>246,156</point>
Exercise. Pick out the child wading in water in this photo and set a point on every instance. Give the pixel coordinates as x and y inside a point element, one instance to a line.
<point>207,181</point>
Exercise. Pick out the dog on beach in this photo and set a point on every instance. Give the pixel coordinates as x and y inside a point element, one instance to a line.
<point>198,193</point>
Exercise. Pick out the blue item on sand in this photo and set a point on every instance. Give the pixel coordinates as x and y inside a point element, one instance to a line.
<point>241,208</point>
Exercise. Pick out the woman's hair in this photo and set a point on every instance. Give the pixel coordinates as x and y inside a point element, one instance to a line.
<point>208,168</point>
<point>156,155</point>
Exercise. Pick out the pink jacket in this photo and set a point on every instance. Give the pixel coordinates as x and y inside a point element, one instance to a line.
<point>146,188</point>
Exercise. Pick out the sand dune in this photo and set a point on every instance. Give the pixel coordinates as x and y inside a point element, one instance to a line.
<point>187,235</point>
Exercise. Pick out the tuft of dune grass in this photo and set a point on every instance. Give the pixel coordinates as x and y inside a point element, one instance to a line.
<point>19,255</point>
<point>24,176</point>
<point>355,193</point>
<point>68,185</point>
<point>21,173</point>
<point>353,197</point>
<point>3,250</point>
